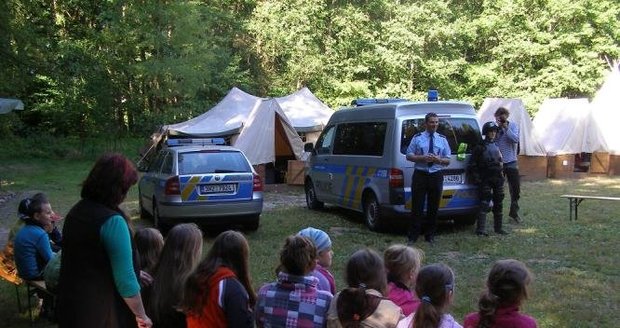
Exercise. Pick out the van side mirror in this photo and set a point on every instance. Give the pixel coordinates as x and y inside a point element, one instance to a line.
<point>308,147</point>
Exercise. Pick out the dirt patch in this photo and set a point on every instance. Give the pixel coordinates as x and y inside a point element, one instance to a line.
<point>283,195</point>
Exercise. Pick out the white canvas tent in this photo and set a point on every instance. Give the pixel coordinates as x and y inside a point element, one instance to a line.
<point>529,143</point>
<point>568,127</point>
<point>307,113</point>
<point>257,126</point>
<point>606,109</point>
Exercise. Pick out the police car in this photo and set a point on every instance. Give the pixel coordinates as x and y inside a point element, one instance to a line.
<point>358,161</point>
<point>202,181</point>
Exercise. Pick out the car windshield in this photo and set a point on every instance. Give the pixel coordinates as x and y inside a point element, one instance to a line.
<point>456,130</point>
<point>202,162</point>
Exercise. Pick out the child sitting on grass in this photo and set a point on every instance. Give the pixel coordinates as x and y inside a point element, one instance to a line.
<point>323,245</point>
<point>294,300</point>
<point>435,286</point>
<point>499,304</point>
<point>402,264</point>
<point>363,304</point>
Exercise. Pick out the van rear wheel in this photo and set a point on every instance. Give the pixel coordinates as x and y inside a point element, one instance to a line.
<point>372,212</point>
<point>311,200</point>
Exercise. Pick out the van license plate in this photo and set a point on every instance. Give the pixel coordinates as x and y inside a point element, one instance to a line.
<point>217,188</point>
<point>452,178</point>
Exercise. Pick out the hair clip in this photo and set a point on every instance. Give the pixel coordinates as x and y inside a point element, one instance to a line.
<point>426,299</point>
<point>362,285</point>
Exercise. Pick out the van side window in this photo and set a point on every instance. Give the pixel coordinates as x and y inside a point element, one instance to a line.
<point>323,144</point>
<point>360,139</point>
<point>456,130</point>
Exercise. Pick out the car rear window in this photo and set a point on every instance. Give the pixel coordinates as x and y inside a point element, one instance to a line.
<point>203,162</point>
<point>456,130</point>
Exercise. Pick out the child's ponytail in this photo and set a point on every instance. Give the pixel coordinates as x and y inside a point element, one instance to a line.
<point>434,286</point>
<point>427,314</point>
<point>354,306</point>
<point>487,306</point>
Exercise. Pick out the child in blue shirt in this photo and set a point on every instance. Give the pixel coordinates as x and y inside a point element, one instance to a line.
<point>32,242</point>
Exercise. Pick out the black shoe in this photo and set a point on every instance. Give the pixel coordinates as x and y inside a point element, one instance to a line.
<point>430,239</point>
<point>516,218</point>
<point>501,232</point>
<point>482,234</point>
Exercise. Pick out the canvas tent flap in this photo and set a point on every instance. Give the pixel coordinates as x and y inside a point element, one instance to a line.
<point>529,142</point>
<point>9,105</point>
<point>569,127</point>
<point>606,109</point>
<point>225,118</point>
<point>255,124</point>
<point>261,132</point>
<point>305,111</point>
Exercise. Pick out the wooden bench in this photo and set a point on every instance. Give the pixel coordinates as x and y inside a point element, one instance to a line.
<point>575,200</point>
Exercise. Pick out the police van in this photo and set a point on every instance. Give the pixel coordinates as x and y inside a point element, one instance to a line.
<point>358,161</point>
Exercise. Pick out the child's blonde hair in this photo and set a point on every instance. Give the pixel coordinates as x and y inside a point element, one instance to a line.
<point>401,260</point>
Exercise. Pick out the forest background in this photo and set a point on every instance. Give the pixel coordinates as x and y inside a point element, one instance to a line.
<point>89,69</point>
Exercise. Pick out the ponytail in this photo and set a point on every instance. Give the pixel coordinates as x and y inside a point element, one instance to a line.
<point>487,306</point>
<point>427,315</point>
<point>354,306</point>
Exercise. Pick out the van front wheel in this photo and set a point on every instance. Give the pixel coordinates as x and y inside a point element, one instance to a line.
<point>311,200</point>
<point>372,212</point>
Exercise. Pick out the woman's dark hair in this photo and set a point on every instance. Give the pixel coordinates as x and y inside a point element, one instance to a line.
<point>109,181</point>
<point>506,285</point>
<point>180,256</point>
<point>434,284</point>
<point>230,249</point>
<point>501,111</point>
<point>149,243</point>
<point>365,270</point>
<point>31,205</point>
<point>298,255</point>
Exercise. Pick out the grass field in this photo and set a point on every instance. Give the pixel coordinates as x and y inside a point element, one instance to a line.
<point>575,263</point>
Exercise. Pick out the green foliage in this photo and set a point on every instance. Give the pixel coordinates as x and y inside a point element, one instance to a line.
<point>91,69</point>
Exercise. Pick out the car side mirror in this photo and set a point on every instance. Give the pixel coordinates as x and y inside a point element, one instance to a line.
<point>308,147</point>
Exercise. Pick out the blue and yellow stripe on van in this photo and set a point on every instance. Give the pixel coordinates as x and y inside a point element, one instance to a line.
<point>355,179</point>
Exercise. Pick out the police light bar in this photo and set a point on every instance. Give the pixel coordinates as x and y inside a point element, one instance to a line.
<point>195,142</point>
<point>373,101</point>
<point>433,95</point>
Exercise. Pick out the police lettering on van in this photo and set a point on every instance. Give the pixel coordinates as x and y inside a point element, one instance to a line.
<point>359,161</point>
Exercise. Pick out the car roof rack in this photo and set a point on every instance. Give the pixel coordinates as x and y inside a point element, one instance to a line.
<point>374,101</point>
<point>195,142</point>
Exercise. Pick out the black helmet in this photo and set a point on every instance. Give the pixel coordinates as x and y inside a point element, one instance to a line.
<point>488,126</point>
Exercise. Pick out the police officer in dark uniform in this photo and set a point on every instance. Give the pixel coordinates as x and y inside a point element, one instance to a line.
<point>430,152</point>
<point>485,167</point>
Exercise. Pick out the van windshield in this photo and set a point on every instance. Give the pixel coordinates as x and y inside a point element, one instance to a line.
<point>456,130</point>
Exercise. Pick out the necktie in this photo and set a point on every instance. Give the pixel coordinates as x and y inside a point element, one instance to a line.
<point>430,147</point>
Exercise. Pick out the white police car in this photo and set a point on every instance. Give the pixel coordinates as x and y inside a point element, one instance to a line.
<point>202,181</point>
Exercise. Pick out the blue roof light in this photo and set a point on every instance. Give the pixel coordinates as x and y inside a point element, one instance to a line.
<point>195,141</point>
<point>433,95</point>
<point>373,101</point>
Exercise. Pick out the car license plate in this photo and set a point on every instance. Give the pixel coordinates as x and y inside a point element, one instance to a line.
<point>452,178</point>
<point>221,188</point>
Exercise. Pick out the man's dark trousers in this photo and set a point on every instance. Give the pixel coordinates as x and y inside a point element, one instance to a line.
<point>425,186</point>
<point>514,188</point>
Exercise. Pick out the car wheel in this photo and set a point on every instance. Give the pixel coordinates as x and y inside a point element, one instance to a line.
<point>253,223</point>
<point>144,214</point>
<point>157,220</point>
<point>372,212</point>
<point>311,200</point>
